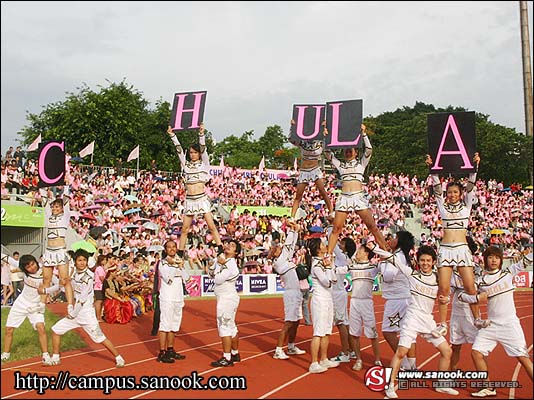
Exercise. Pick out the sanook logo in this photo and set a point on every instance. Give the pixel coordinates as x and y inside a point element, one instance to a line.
<point>377,378</point>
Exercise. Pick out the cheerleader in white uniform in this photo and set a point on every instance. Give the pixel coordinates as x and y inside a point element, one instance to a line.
<point>196,172</point>
<point>292,293</point>
<point>28,305</point>
<point>322,305</point>
<point>454,252</point>
<point>84,315</point>
<point>353,197</point>
<point>418,320</point>
<point>497,286</point>
<point>57,214</point>
<point>310,171</point>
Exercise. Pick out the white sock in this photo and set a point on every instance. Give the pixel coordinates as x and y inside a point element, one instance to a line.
<point>55,356</point>
<point>291,345</point>
<point>45,354</point>
<point>234,351</point>
<point>227,356</point>
<point>405,363</point>
<point>279,349</point>
<point>411,361</point>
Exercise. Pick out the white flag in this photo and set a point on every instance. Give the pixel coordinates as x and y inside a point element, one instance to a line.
<point>134,154</point>
<point>295,165</point>
<point>89,149</point>
<point>35,144</point>
<point>222,161</point>
<point>261,167</point>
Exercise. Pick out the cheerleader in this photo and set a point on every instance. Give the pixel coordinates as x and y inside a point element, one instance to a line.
<point>310,171</point>
<point>57,214</point>
<point>224,273</point>
<point>292,293</point>
<point>28,305</point>
<point>353,197</point>
<point>418,320</point>
<point>322,306</point>
<point>172,276</point>
<point>497,286</point>
<point>454,252</point>
<point>83,315</point>
<point>196,174</point>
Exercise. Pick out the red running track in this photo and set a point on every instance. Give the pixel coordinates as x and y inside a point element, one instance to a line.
<point>259,321</point>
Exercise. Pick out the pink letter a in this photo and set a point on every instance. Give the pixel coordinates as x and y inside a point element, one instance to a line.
<point>461,148</point>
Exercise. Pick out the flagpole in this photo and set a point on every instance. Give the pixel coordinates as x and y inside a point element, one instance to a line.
<point>137,167</point>
<point>92,156</point>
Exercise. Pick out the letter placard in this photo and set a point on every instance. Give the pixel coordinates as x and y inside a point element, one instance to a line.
<point>188,110</point>
<point>343,120</point>
<point>51,164</point>
<point>451,142</point>
<point>308,122</point>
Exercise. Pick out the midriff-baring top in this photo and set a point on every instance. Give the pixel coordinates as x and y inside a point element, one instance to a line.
<point>455,216</point>
<point>352,170</point>
<point>194,171</point>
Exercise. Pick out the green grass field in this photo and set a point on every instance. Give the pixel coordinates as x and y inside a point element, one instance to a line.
<point>26,342</point>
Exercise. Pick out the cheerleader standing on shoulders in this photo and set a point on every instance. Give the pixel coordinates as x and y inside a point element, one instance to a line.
<point>454,252</point>
<point>196,175</point>
<point>57,215</point>
<point>310,171</point>
<point>353,197</point>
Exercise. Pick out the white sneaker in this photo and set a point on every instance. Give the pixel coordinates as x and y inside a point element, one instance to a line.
<point>450,391</point>
<point>280,355</point>
<point>45,360</point>
<point>485,393</point>
<point>329,364</point>
<point>390,393</point>
<point>5,356</point>
<point>352,355</point>
<point>358,365</point>
<point>120,361</point>
<point>53,361</point>
<point>439,330</point>
<point>316,368</point>
<point>295,351</point>
<point>341,357</point>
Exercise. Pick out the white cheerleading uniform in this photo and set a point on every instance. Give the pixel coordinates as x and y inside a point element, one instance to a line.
<point>28,299</point>
<point>362,313</point>
<point>195,172</point>
<point>288,276</point>
<point>322,305</point>
<point>171,295</point>
<point>56,228</point>
<point>225,277</point>
<point>352,170</point>
<point>310,150</point>
<point>454,216</point>
<point>505,326</point>
<point>462,324</point>
<point>339,293</point>
<point>396,292</point>
<point>84,311</point>
<point>424,291</point>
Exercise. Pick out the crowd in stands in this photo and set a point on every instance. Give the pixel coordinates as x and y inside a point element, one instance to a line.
<point>138,213</point>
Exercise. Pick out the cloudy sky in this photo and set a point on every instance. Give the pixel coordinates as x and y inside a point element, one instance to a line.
<point>256,59</point>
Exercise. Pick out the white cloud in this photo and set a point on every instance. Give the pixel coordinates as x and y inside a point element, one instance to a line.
<point>256,59</point>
